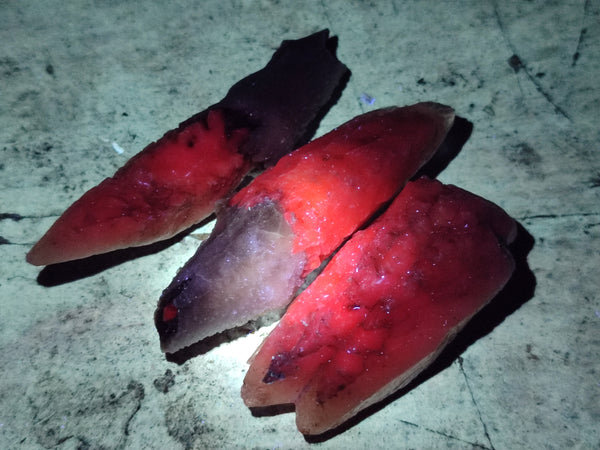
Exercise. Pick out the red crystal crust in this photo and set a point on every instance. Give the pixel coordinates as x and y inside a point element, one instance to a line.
<point>169,186</point>
<point>291,217</point>
<point>329,187</point>
<point>385,306</point>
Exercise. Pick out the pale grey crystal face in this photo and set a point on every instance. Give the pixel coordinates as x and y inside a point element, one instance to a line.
<point>244,269</point>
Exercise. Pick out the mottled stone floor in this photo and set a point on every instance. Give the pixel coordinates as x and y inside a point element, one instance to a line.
<point>80,361</point>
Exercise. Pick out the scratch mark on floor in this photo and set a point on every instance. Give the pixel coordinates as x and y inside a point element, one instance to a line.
<point>522,65</point>
<point>10,216</point>
<point>560,216</point>
<point>138,390</point>
<point>557,216</point>
<point>439,433</point>
<point>466,378</point>
<point>582,34</point>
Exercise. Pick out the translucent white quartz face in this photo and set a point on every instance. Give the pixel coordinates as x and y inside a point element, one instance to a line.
<point>244,269</point>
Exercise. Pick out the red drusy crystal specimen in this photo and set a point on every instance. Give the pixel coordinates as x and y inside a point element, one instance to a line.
<point>293,216</point>
<point>171,185</point>
<point>385,306</point>
<point>332,185</point>
<point>176,181</point>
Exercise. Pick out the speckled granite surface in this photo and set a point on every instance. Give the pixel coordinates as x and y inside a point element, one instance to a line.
<point>80,361</point>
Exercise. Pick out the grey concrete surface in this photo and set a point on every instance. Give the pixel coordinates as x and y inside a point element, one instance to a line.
<point>79,356</point>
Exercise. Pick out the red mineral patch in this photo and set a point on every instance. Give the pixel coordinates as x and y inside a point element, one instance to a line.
<point>385,306</point>
<point>175,182</point>
<point>293,216</point>
<point>169,186</point>
<point>332,185</point>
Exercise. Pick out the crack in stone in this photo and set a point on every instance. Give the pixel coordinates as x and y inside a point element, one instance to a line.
<point>522,65</point>
<point>448,436</point>
<point>485,429</point>
<point>10,216</point>
<point>558,216</point>
<point>18,217</point>
<point>139,394</point>
<point>582,33</point>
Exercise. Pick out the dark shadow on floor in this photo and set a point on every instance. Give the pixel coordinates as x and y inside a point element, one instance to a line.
<point>453,143</point>
<point>67,272</point>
